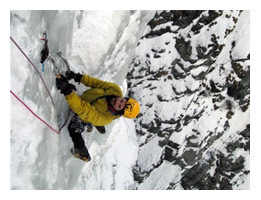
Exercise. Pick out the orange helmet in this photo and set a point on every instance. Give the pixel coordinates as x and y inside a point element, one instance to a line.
<point>132,108</point>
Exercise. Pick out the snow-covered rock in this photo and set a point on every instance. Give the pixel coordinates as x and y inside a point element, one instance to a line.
<point>191,74</point>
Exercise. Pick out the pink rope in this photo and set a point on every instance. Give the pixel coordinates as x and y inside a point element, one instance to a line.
<point>49,126</point>
<point>33,67</point>
<point>69,111</point>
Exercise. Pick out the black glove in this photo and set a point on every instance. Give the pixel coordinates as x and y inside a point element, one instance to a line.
<point>63,85</point>
<point>71,75</point>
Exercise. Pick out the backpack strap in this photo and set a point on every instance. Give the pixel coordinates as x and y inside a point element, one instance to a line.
<point>93,101</point>
<point>113,113</point>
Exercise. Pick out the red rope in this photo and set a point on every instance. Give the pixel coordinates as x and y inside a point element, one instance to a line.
<point>33,67</point>
<point>69,111</point>
<point>49,126</point>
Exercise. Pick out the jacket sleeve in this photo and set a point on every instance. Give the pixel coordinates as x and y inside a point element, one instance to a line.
<point>108,87</point>
<point>86,111</point>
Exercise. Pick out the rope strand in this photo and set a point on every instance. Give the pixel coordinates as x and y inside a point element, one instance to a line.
<point>49,126</point>
<point>39,118</point>
<point>34,68</point>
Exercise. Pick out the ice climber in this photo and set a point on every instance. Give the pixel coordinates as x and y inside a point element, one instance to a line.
<point>97,107</point>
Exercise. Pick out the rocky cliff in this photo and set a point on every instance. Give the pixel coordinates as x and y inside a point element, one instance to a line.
<point>191,74</point>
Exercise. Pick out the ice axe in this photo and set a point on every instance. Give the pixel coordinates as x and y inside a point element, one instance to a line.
<point>64,60</point>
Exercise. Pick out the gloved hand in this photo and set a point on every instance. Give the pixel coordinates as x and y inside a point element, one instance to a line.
<point>71,75</point>
<point>63,85</point>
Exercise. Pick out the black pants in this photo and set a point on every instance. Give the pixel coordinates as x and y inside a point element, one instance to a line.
<point>75,128</point>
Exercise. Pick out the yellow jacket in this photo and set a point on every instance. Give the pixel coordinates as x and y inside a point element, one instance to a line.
<point>97,113</point>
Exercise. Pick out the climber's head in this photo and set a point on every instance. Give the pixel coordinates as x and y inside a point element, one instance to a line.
<point>128,107</point>
<point>118,103</point>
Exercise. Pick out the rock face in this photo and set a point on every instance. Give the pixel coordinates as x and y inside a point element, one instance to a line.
<point>191,75</point>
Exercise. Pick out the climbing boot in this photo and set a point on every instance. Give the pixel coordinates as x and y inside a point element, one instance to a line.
<point>81,153</point>
<point>101,129</point>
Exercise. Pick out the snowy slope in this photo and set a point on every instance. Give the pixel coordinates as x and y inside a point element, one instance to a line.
<point>191,74</point>
<point>98,43</point>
